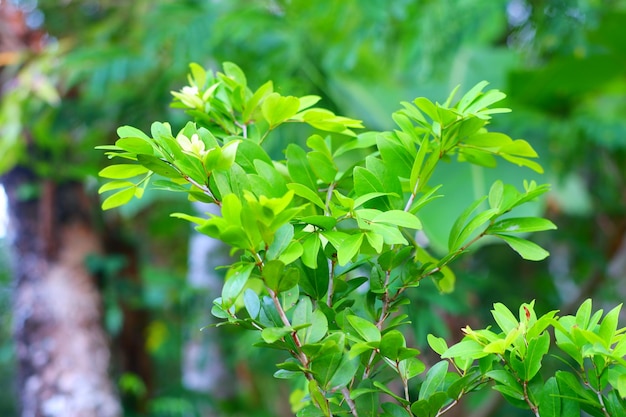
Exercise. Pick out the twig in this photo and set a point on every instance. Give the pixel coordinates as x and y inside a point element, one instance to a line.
<point>346,395</point>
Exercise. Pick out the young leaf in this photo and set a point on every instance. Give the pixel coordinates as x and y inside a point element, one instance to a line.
<point>134,145</point>
<point>537,348</point>
<point>131,132</point>
<point>122,171</point>
<point>437,344</point>
<point>277,109</point>
<point>119,198</point>
<point>114,185</point>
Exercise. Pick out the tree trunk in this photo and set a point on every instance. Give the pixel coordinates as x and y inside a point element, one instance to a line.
<point>62,349</point>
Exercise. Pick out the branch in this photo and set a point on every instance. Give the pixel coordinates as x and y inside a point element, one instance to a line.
<point>346,395</point>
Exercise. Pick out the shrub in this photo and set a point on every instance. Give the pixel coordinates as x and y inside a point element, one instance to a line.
<point>327,244</point>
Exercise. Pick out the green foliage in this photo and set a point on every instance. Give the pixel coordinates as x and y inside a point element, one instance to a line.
<point>591,347</point>
<point>305,226</point>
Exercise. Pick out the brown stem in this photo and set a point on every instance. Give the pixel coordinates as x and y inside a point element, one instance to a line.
<point>346,395</point>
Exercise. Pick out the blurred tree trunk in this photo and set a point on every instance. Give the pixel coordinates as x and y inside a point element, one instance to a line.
<point>62,349</point>
<point>204,366</point>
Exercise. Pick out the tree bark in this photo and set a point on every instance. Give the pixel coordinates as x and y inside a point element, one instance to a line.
<point>62,349</point>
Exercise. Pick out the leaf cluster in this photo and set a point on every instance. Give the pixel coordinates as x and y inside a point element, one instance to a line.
<point>590,348</point>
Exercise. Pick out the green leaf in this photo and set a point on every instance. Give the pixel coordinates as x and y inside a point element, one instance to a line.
<point>324,222</point>
<point>506,378</point>
<point>364,328</point>
<point>236,280</point>
<point>122,171</point>
<point>131,132</point>
<point>233,71</point>
<point>299,168</point>
<point>257,97</point>
<point>272,273</point>
<point>134,145</point>
<point>471,96</point>
<point>550,401</point>
<point>322,166</point>
<point>391,344</point>
<point>277,109</point>
<point>118,199</point>
<point>398,218</point>
<point>504,317</point>
<point>394,410</point>
<point>396,157</point>
<point>521,225</point>
<point>365,182</point>
<point>158,166</point>
<point>227,155</point>
<point>306,193</point>
<point>114,185</point>
<point>437,344</point>
<point>496,193</point>
<point>527,250</point>
<point>289,279</point>
<point>310,246</point>
<point>608,327</point>
<point>434,379</point>
<point>411,367</point>
<point>523,162</point>
<point>472,227</point>
<point>249,154</point>
<point>344,373</point>
<point>282,239</point>
<point>252,303</point>
<point>467,348</point>
<point>273,334</point>
<point>583,314</point>
<point>537,348</point>
<point>349,248</point>
<point>303,314</point>
<point>457,227</point>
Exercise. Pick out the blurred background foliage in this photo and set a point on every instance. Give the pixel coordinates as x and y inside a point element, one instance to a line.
<point>84,67</point>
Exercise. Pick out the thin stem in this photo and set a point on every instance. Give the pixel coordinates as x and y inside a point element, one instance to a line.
<point>331,262</point>
<point>331,283</point>
<point>381,319</point>
<point>202,188</point>
<point>283,317</point>
<point>447,408</point>
<point>346,395</point>
<point>244,129</point>
<point>386,300</point>
<point>532,406</point>
<point>409,203</point>
<point>598,392</point>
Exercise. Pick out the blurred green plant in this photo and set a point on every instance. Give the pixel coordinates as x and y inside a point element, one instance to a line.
<point>309,227</point>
